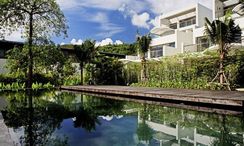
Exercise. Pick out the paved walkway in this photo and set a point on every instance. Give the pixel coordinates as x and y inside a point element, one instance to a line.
<point>231,98</point>
<point>5,139</point>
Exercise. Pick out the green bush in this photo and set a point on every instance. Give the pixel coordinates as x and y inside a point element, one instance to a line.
<point>105,71</point>
<point>72,80</point>
<point>191,72</point>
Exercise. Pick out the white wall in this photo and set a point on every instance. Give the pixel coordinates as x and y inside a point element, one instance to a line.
<point>240,21</point>
<point>185,38</point>
<point>2,66</point>
<point>163,40</point>
<point>218,9</point>
<point>203,12</point>
<point>170,51</point>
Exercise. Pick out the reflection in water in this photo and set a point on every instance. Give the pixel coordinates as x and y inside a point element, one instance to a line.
<point>61,118</point>
<point>181,127</point>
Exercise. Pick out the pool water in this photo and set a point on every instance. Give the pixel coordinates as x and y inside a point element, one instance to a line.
<point>73,119</point>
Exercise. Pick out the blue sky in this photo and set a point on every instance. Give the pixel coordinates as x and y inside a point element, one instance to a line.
<point>110,21</point>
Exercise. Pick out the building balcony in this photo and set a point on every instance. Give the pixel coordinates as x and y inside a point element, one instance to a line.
<point>159,31</point>
<point>164,39</point>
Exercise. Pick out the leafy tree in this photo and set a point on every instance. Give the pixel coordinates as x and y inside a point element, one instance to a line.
<point>143,47</point>
<point>84,54</point>
<point>223,33</point>
<point>105,71</point>
<point>38,18</point>
<point>48,61</point>
<point>124,49</point>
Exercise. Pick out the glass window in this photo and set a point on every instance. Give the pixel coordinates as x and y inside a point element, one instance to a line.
<point>202,43</point>
<point>173,26</point>
<point>171,44</point>
<point>156,51</point>
<point>188,22</point>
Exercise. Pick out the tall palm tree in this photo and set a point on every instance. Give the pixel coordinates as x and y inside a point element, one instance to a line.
<point>84,54</point>
<point>143,47</point>
<point>223,33</point>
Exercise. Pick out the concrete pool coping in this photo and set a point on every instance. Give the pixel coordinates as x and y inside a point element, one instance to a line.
<point>228,98</point>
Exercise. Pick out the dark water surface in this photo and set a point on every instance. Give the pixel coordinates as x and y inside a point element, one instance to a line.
<point>60,118</point>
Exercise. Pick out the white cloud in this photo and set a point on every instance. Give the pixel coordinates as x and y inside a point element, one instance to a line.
<point>105,42</point>
<point>155,22</point>
<point>99,17</point>
<point>68,4</point>
<point>108,41</point>
<point>137,10</point>
<point>79,42</point>
<point>73,41</point>
<point>118,42</point>
<point>163,6</point>
<point>141,20</point>
<point>105,28</point>
<point>76,42</point>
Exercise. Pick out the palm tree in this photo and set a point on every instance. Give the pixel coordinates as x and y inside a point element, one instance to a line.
<point>223,33</point>
<point>84,54</point>
<point>239,9</point>
<point>143,47</point>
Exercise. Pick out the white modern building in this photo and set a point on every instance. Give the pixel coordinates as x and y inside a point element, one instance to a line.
<point>182,31</point>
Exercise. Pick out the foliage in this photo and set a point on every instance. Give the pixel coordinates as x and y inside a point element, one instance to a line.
<point>47,17</point>
<point>223,33</point>
<point>50,64</point>
<point>188,72</point>
<point>84,54</point>
<point>21,86</point>
<point>39,19</point>
<point>72,80</point>
<point>125,49</point>
<point>144,132</point>
<point>143,43</point>
<point>105,71</point>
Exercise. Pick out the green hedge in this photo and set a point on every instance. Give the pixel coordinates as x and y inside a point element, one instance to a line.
<point>188,71</point>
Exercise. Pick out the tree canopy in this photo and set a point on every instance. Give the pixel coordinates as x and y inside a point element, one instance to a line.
<point>47,17</point>
<point>37,19</point>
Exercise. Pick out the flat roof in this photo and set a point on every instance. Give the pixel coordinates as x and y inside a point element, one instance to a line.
<point>179,11</point>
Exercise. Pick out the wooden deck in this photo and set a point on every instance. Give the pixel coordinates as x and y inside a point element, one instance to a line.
<point>230,98</point>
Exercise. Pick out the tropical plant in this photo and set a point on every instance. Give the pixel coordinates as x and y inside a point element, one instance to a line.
<point>105,70</point>
<point>38,18</point>
<point>84,54</point>
<point>143,43</point>
<point>48,61</point>
<point>223,33</point>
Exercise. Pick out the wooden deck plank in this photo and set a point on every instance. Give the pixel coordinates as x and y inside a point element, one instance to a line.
<point>233,98</point>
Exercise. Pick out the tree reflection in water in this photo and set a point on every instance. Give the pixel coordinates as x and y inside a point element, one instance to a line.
<point>144,132</point>
<point>41,115</point>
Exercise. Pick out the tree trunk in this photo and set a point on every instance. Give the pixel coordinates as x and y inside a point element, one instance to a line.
<point>221,69</point>
<point>81,73</point>
<point>30,134</point>
<point>30,61</point>
<point>143,71</point>
<point>221,65</point>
